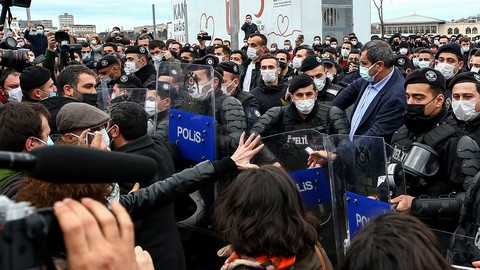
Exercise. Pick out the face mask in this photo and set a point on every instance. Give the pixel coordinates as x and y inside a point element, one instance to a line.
<point>49,141</point>
<point>446,70</point>
<point>20,44</point>
<point>252,53</point>
<point>90,99</point>
<point>150,107</point>
<point>220,58</point>
<point>31,59</point>
<point>39,32</point>
<point>436,42</point>
<point>345,53</point>
<point>249,21</point>
<point>477,41</point>
<point>320,83</point>
<point>330,76</point>
<point>403,51</point>
<point>465,49</point>
<point>465,110</point>
<point>297,62</point>
<point>327,42</point>
<point>238,63</point>
<point>53,94</point>
<point>245,44</point>
<point>305,106</point>
<point>130,68</point>
<point>85,57</point>
<point>415,61</point>
<point>287,47</point>
<point>282,65</point>
<point>333,46</point>
<point>105,137</point>
<point>157,58</point>
<point>15,95</point>
<point>423,64</point>
<point>475,69</point>
<point>93,42</point>
<point>316,42</point>
<point>269,76</point>
<point>364,73</point>
<point>225,88</point>
<point>354,43</point>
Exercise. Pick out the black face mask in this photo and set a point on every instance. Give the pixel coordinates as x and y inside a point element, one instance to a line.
<point>90,99</point>
<point>283,65</point>
<point>415,118</point>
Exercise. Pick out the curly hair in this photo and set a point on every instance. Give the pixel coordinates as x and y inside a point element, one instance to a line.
<point>261,213</point>
<point>44,194</point>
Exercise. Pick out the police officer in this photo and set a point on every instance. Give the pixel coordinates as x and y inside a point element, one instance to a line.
<point>137,64</point>
<point>433,155</point>
<point>122,89</point>
<point>109,69</point>
<point>312,66</point>
<point>465,103</point>
<point>231,81</point>
<point>303,113</point>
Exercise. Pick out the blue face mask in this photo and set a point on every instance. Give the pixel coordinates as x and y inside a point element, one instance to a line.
<point>364,73</point>
<point>85,57</point>
<point>39,32</point>
<point>53,94</point>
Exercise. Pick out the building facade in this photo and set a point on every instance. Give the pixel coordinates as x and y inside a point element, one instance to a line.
<point>82,30</point>
<point>66,20</point>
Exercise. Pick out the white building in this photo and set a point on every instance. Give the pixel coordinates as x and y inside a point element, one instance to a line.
<point>81,30</point>
<point>66,20</point>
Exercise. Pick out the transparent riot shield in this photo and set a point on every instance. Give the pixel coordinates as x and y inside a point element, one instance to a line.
<point>291,150</point>
<point>111,96</point>
<point>362,183</point>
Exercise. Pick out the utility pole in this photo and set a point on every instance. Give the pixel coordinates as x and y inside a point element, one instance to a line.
<point>154,23</point>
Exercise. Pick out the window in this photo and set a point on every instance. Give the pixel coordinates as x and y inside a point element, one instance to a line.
<point>427,29</point>
<point>474,30</point>
<point>468,30</point>
<point>415,29</point>
<point>405,30</point>
<point>410,29</point>
<point>456,31</point>
<point>449,31</point>
<point>434,29</point>
<point>422,29</point>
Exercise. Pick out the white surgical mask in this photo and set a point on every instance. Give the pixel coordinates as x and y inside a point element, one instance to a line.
<point>225,88</point>
<point>316,42</point>
<point>415,61</point>
<point>297,62</point>
<point>252,53</point>
<point>31,59</point>
<point>15,95</point>
<point>305,106</point>
<point>157,58</point>
<point>365,75</point>
<point>465,49</point>
<point>269,76</point>
<point>330,76</point>
<point>354,43</point>
<point>220,58</point>
<point>403,51</point>
<point>446,70</point>
<point>287,47</point>
<point>333,46</point>
<point>465,110</point>
<point>475,69</point>
<point>130,68</point>
<point>150,107</point>
<point>436,42</point>
<point>320,83</point>
<point>105,137</point>
<point>345,53</point>
<point>423,64</point>
<point>20,44</point>
<point>93,42</point>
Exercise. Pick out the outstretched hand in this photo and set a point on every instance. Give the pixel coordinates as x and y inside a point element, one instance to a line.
<point>246,150</point>
<point>317,158</point>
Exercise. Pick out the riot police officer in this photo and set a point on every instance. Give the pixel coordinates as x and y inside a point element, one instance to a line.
<point>312,66</point>
<point>434,156</point>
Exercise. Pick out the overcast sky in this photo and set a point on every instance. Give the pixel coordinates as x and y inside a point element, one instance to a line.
<point>127,13</point>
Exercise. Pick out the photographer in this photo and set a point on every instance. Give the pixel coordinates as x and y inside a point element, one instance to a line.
<point>117,37</point>
<point>37,38</point>
<point>249,27</point>
<point>97,48</point>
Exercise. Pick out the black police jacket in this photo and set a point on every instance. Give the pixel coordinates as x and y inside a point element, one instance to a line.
<point>146,74</point>
<point>269,96</point>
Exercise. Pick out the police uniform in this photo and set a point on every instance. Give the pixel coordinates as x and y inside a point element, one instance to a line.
<point>147,73</point>
<point>436,178</point>
<point>329,90</point>
<point>249,102</point>
<point>107,61</point>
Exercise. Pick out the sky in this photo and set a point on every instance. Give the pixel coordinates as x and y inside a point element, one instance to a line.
<point>106,14</point>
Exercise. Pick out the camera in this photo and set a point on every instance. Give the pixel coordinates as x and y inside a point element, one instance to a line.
<point>29,237</point>
<point>204,36</point>
<point>65,49</point>
<point>11,56</point>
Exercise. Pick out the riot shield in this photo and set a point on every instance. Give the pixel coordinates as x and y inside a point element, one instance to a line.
<point>362,183</point>
<point>291,150</point>
<point>111,96</point>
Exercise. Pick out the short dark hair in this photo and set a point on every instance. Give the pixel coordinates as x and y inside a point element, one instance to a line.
<point>111,44</point>
<point>218,39</point>
<point>394,237</point>
<point>270,56</point>
<point>284,52</point>
<point>7,72</point>
<point>225,49</point>
<point>70,75</point>
<point>131,118</point>
<point>379,50</point>
<point>243,55</point>
<point>262,36</point>
<point>20,120</point>
<point>248,15</point>
<point>427,51</point>
<point>156,43</point>
<point>281,227</point>
<point>176,43</point>
<point>144,36</point>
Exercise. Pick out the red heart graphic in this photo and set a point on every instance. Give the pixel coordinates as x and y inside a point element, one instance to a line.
<point>205,24</point>
<point>283,22</point>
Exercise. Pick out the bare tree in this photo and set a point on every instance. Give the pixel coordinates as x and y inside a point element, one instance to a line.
<point>379,7</point>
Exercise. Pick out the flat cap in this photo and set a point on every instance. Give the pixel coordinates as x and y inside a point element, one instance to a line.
<point>230,67</point>
<point>426,75</point>
<point>34,77</point>
<point>78,115</point>
<point>136,49</point>
<point>470,76</point>
<point>310,62</point>
<point>106,61</point>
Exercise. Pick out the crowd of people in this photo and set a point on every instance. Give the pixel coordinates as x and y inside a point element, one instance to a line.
<point>420,93</point>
